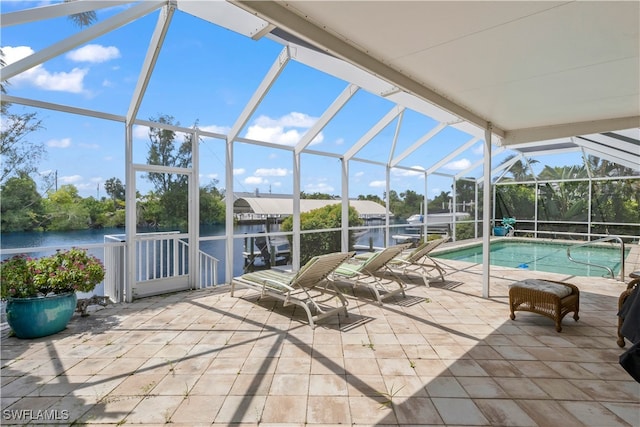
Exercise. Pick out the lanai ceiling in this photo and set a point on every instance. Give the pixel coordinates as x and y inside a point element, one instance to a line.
<point>540,72</point>
<point>545,75</point>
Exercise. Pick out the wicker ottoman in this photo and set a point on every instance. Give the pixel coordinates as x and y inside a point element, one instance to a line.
<point>546,297</point>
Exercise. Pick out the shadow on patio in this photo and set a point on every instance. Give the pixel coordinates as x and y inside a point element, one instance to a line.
<point>442,355</point>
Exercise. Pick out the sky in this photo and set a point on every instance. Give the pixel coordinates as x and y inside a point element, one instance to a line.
<point>205,75</point>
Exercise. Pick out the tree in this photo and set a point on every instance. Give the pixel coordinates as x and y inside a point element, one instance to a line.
<point>163,152</point>
<point>212,208</point>
<point>440,203</point>
<point>115,189</point>
<point>22,207</point>
<point>373,198</point>
<point>327,217</point>
<point>65,211</point>
<point>171,188</point>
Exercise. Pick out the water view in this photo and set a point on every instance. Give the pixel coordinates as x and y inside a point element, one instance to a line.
<point>215,248</point>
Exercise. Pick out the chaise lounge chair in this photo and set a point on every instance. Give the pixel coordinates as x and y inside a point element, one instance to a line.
<point>310,288</point>
<point>417,261</point>
<point>371,271</point>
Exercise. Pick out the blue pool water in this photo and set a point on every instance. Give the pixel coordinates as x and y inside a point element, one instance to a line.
<point>543,256</point>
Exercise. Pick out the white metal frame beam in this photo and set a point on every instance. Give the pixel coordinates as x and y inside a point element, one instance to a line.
<point>279,15</point>
<point>329,113</point>
<point>269,79</point>
<point>426,137</point>
<point>568,130</point>
<point>57,11</point>
<point>373,131</point>
<point>96,30</point>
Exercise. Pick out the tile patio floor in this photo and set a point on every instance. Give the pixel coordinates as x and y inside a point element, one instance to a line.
<point>441,356</point>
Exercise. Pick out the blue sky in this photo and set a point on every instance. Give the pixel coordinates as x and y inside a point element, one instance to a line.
<point>206,74</point>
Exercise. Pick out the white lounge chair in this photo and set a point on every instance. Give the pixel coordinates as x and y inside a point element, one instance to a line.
<point>417,261</point>
<point>374,272</point>
<point>310,288</point>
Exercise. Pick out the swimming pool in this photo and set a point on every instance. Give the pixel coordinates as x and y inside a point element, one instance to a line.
<point>543,256</point>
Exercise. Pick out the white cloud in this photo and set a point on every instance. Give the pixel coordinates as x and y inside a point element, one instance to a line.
<point>71,179</point>
<point>458,165</point>
<point>320,187</point>
<point>406,172</point>
<point>377,184</point>
<point>286,130</point>
<point>216,129</point>
<point>140,132</point>
<point>478,149</point>
<point>271,172</point>
<point>59,143</point>
<point>239,171</point>
<point>254,180</point>
<point>94,53</point>
<point>358,174</point>
<point>40,77</point>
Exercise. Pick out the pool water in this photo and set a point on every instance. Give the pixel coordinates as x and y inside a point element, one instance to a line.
<point>543,256</point>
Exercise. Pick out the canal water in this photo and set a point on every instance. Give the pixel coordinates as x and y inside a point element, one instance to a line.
<point>215,248</point>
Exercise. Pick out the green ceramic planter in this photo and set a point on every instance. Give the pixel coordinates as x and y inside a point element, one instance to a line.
<point>39,317</point>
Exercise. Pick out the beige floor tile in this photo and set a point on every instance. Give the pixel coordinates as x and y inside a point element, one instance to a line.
<point>482,387</point>
<point>328,410</point>
<point>327,366</point>
<point>396,367</point>
<point>466,368</point>
<point>412,410</point>
<point>283,409</point>
<point>445,387</point>
<point>137,385</point>
<point>111,410</point>
<point>561,389</point>
<point>629,412</point>
<point>521,388</point>
<point>293,365</point>
<point>251,384</point>
<point>327,385</point>
<point>289,385</point>
<point>605,391</point>
<point>459,411</point>
<point>504,412</point>
<point>366,385</point>
<point>213,385</point>
<point>241,409</point>
<point>154,409</point>
<point>548,413</point>
<point>197,410</point>
<point>592,414</point>
<point>370,410</point>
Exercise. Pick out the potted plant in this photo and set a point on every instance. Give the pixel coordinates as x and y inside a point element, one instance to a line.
<point>506,228</point>
<point>40,293</point>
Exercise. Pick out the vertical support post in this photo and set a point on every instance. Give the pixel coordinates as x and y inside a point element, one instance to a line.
<point>454,201</point>
<point>130,215</point>
<point>535,213</point>
<point>387,202</point>
<point>475,215</point>
<point>425,209</point>
<point>194,213</point>
<point>295,256</point>
<point>228,222</point>
<point>345,205</point>
<point>486,207</point>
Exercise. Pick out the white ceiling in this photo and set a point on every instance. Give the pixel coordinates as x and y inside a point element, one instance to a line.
<point>546,75</point>
<point>534,69</point>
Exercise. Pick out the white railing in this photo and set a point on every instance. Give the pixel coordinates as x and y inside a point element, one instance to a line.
<point>162,265</point>
<point>604,239</point>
